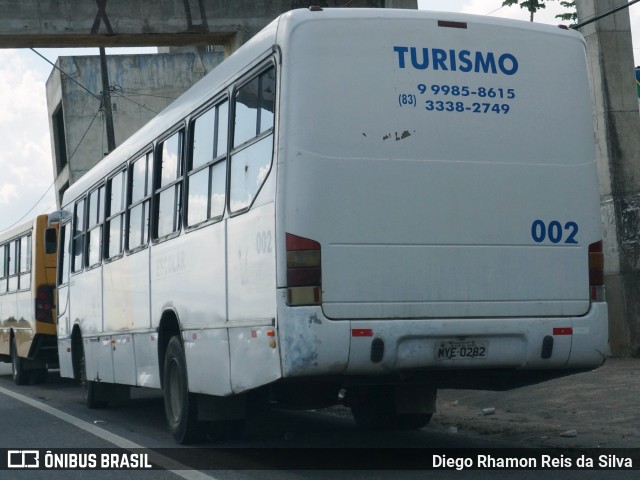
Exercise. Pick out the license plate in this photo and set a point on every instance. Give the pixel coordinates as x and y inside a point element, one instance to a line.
<point>467,350</point>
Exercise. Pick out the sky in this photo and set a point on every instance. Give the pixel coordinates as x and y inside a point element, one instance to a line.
<point>26,167</point>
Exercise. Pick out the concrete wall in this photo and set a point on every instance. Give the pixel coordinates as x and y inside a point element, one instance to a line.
<point>617,129</point>
<point>142,86</point>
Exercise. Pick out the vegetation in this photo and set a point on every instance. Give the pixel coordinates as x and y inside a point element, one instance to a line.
<point>534,5</point>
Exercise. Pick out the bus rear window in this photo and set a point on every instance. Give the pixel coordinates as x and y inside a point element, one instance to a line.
<point>50,241</point>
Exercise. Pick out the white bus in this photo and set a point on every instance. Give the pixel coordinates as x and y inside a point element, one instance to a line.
<point>358,206</point>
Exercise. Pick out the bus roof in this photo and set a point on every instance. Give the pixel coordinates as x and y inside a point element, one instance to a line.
<point>18,229</point>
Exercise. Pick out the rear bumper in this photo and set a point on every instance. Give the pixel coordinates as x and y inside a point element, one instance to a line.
<point>312,345</point>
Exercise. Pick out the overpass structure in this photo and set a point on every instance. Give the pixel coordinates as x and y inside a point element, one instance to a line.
<point>91,23</point>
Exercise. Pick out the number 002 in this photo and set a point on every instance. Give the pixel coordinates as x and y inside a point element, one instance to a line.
<point>540,231</point>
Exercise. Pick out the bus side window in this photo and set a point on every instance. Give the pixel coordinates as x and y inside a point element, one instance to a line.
<point>206,182</point>
<point>251,157</point>
<point>115,216</point>
<point>94,227</point>
<point>169,182</point>
<point>13,266</point>
<point>3,269</point>
<point>140,201</point>
<point>78,236</point>
<point>25,263</point>
<point>65,241</point>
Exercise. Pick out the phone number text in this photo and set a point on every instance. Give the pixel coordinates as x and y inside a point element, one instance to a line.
<point>465,91</point>
<point>406,100</point>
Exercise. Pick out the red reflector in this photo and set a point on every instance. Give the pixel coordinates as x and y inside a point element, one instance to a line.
<point>563,331</point>
<point>362,332</point>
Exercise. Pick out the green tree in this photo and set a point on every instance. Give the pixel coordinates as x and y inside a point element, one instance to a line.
<point>572,15</point>
<point>534,5</point>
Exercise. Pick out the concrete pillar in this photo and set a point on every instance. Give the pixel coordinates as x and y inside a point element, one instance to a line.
<point>617,129</point>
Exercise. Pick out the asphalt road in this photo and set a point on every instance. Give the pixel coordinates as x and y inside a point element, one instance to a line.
<point>600,406</point>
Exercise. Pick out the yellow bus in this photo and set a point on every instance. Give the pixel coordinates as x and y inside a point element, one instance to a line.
<point>28,257</point>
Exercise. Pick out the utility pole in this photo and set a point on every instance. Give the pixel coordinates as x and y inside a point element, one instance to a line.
<point>106,103</point>
<point>610,57</point>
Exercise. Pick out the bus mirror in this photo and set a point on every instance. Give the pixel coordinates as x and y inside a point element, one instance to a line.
<point>58,216</point>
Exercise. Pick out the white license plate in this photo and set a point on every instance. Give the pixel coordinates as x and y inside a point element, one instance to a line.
<point>467,350</point>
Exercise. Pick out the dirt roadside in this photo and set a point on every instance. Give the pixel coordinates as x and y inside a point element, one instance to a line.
<point>600,408</point>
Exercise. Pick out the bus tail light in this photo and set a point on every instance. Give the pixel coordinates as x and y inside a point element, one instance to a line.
<point>44,304</point>
<point>304,273</point>
<point>596,272</point>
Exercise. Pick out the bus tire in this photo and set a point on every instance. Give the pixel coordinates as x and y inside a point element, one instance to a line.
<point>180,406</point>
<point>21,376</point>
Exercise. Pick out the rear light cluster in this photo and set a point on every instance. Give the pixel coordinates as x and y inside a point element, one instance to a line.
<point>304,273</point>
<point>45,304</point>
<point>596,272</point>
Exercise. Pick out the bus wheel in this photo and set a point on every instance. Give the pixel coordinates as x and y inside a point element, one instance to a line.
<point>180,406</point>
<point>20,375</point>
<point>92,390</point>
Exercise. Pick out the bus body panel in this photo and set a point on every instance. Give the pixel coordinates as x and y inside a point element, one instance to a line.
<point>126,294</point>
<point>86,301</point>
<point>208,348</point>
<point>255,357</point>
<point>311,344</point>
<point>102,352</point>
<point>64,326</point>
<point>191,263</point>
<point>65,357</point>
<point>9,320</point>
<point>179,267</point>
<point>439,214</point>
<point>251,267</point>
<point>145,347</point>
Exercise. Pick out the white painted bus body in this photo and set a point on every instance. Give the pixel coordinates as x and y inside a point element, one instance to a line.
<point>426,218</point>
<point>430,216</point>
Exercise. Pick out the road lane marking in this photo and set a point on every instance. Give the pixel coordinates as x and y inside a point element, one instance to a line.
<point>168,464</point>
